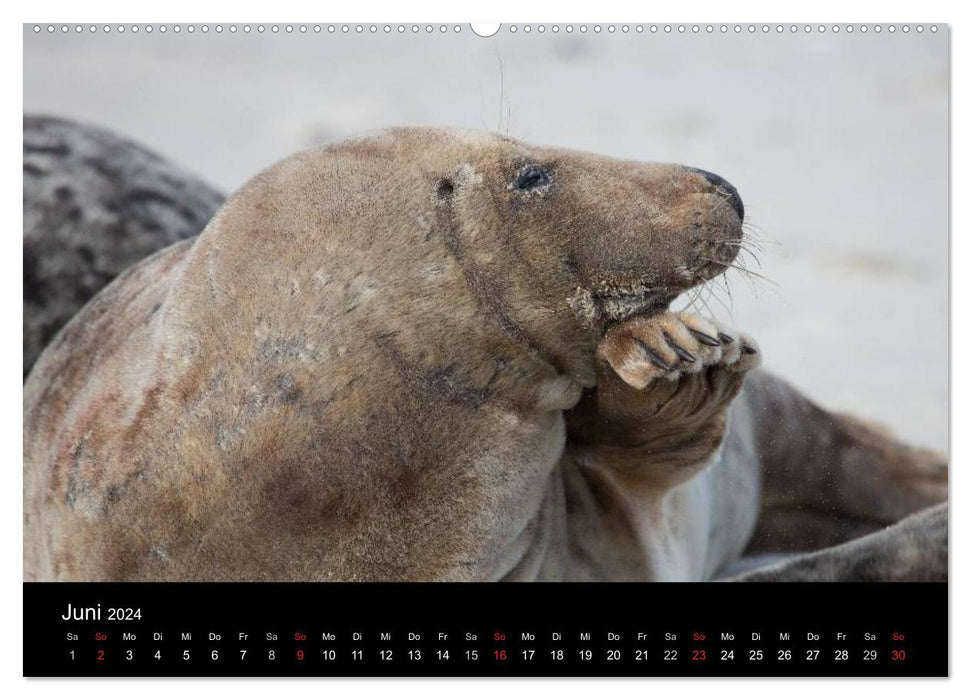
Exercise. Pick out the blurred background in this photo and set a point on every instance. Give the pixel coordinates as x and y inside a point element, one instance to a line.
<point>838,144</point>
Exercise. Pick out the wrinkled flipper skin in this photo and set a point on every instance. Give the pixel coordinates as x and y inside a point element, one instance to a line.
<point>94,204</point>
<point>648,496</point>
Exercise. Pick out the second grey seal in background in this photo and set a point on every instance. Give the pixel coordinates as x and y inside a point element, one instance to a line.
<point>94,204</point>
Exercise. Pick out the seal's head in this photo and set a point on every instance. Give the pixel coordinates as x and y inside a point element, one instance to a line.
<point>618,238</point>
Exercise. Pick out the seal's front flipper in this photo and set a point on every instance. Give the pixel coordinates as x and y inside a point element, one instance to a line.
<point>664,385</point>
<point>656,419</point>
<point>675,345</point>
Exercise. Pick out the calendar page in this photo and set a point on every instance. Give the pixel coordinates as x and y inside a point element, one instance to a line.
<point>547,349</point>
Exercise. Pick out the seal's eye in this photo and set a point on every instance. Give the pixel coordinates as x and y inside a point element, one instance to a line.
<point>532,177</point>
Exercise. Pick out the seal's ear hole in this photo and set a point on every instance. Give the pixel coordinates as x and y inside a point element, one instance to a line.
<point>446,188</point>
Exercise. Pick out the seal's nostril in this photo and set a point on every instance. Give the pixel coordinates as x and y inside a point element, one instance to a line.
<point>725,188</point>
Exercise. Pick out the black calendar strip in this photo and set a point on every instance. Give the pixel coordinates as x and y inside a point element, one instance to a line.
<point>485,629</point>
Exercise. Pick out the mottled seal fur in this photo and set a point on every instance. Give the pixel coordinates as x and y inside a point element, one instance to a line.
<point>94,204</point>
<point>438,355</point>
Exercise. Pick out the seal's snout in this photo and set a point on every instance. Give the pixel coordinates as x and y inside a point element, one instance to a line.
<point>726,190</point>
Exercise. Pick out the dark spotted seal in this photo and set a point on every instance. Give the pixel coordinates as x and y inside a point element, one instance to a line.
<point>94,204</point>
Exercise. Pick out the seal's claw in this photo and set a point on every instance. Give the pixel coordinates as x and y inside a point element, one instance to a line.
<point>669,345</point>
<point>750,356</point>
<point>678,350</point>
<point>654,358</point>
<point>741,353</point>
<point>705,339</point>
